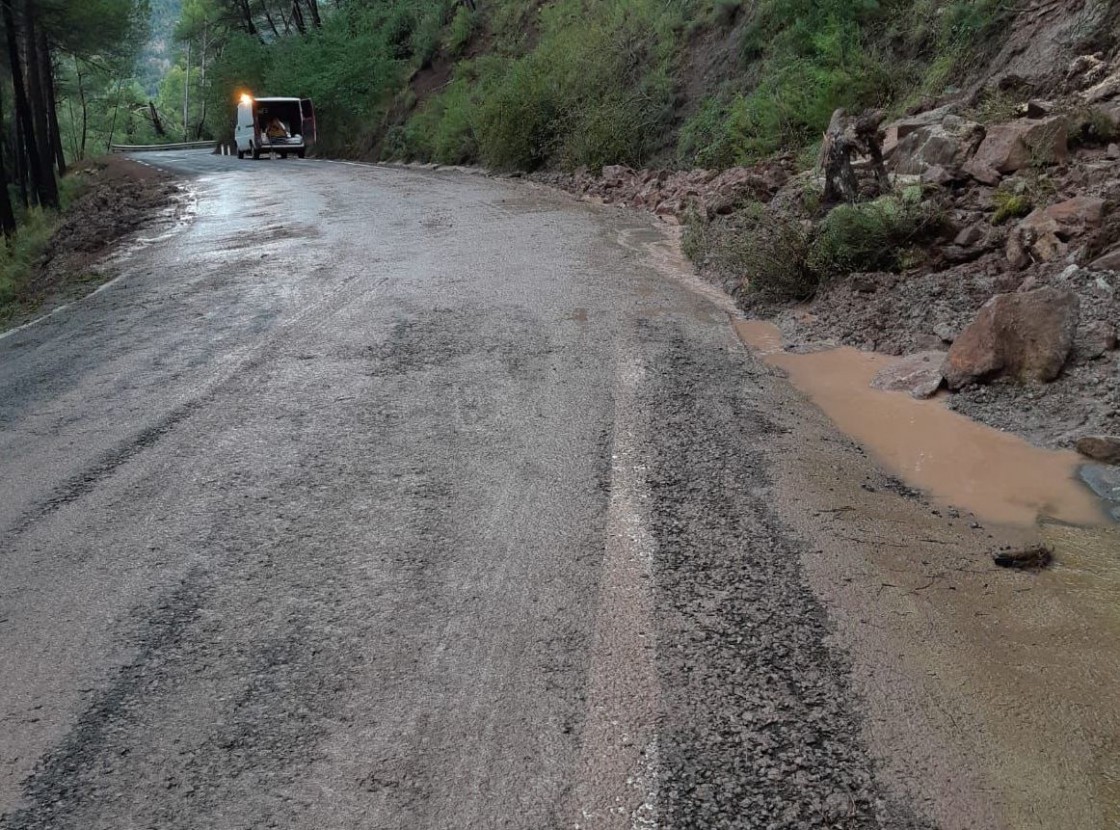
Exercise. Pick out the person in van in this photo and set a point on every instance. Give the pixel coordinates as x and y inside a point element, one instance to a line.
<point>277,129</point>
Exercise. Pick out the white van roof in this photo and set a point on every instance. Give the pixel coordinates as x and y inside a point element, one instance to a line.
<point>273,100</point>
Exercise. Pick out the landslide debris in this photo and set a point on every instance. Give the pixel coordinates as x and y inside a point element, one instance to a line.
<point>996,246</point>
<point>116,198</point>
<point>108,199</point>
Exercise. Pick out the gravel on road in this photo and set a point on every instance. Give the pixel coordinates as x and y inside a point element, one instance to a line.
<point>334,512</point>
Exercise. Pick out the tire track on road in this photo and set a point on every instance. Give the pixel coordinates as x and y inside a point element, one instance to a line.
<point>232,368</point>
<point>616,788</point>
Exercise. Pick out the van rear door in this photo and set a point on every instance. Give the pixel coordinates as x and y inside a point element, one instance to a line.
<point>307,110</point>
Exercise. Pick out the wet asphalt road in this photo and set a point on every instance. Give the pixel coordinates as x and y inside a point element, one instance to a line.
<point>380,498</point>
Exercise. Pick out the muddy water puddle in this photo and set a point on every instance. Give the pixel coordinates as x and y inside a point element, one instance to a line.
<point>998,477</point>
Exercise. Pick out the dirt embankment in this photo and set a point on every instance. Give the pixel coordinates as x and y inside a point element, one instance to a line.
<point>116,198</point>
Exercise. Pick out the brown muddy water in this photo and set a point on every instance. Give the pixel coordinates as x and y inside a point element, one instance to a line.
<point>1020,669</point>
<point>994,475</point>
<point>993,695</point>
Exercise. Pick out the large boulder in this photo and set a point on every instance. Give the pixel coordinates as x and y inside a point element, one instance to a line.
<point>617,175</point>
<point>919,375</point>
<point>1103,448</point>
<point>1026,336</point>
<point>934,139</point>
<point>1018,144</point>
<point>732,187</point>
<point>1108,262</point>
<point>1044,235</point>
<point>898,130</point>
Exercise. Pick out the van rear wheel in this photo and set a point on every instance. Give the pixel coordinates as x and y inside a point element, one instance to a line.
<point>301,153</point>
<point>256,151</point>
<point>240,155</point>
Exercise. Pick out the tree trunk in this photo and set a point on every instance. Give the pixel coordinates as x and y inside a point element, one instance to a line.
<point>72,137</point>
<point>247,19</point>
<point>313,8</point>
<point>271,22</point>
<point>41,190</point>
<point>51,100</point>
<point>202,82</point>
<point>7,215</point>
<point>297,18</point>
<point>187,96</point>
<point>840,184</point>
<point>116,110</point>
<point>157,124</point>
<point>36,96</point>
<point>85,112</point>
<point>19,162</point>
<point>867,131</point>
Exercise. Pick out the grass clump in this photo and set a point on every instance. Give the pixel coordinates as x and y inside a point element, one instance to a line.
<point>442,131</point>
<point>20,255</point>
<point>777,260</point>
<point>462,29</point>
<point>595,90</point>
<point>1092,127</point>
<point>779,256</point>
<point>1010,205</point>
<point>876,236</point>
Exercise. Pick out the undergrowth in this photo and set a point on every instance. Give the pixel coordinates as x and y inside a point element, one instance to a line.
<point>803,59</point>
<point>595,90</point>
<point>779,256</point>
<point>19,256</point>
<point>576,83</point>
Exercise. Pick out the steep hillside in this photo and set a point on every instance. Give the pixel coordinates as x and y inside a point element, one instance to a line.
<point>522,84</point>
<point>156,57</point>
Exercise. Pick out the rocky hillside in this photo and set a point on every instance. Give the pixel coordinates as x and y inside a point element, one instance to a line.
<point>993,244</point>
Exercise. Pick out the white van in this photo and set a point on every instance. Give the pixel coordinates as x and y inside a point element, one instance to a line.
<point>274,125</point>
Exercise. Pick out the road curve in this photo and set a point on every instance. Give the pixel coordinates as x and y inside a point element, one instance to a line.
<point>382,498</point>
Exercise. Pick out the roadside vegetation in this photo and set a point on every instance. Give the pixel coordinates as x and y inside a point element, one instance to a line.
<point>791,256</point>
<point>509,84</point>
<point>523,84</point>
<point>62,97</point>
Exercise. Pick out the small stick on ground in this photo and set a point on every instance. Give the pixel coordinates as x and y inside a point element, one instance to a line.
<point>1028,559</point>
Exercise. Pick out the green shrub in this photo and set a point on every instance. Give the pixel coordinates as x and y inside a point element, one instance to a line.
<point>515,122</point>
<point>1010,205</point>
<point>444,128</point>
<point>596,89</point>
<point>19,255</point>
<point>871,237</point>
<point>695,241</point>
<point>777,256</point>
<point>996,107</point>
<point>1091,126</point>
<point>776,260</point>
<point>461,30</point>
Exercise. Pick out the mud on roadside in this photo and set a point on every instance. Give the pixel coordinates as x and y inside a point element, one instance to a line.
<point>969,683</point>
<point>116,198</point>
